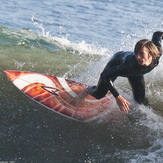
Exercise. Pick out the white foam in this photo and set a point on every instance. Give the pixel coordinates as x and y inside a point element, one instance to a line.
<point>81,47</point>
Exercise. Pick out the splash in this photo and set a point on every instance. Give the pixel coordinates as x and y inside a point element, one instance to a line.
<point>76,48</point>
<point>39,25</point>
<point>82,47</point>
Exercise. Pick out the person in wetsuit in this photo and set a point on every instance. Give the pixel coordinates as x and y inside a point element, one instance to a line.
<point>132,65</point>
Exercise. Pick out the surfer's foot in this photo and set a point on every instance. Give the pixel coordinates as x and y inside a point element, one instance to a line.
<point>79,99</point>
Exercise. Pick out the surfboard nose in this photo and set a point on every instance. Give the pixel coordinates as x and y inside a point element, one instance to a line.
<point>12,75</point>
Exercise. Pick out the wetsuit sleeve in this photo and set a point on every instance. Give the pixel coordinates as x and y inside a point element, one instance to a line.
<point>112,89</point>
<point>156,39</point>
<point>108,76</point>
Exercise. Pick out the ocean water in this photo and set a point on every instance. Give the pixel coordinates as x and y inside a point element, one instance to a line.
<point>75,39</point>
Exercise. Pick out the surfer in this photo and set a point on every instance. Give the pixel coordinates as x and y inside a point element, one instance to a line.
<point>132,65</point>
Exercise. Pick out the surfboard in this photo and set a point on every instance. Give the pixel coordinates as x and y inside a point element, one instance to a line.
<point>56,94</point>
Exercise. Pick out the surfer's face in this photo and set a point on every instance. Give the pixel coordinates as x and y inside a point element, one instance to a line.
<point>143,57</point>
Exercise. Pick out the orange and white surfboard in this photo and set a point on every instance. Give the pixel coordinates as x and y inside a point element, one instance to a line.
<point>57,93</point>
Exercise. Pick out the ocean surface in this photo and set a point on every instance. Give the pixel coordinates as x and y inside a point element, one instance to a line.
<point>75,39</point>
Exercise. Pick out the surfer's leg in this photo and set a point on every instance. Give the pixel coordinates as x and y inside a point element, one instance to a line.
<point>79,98</point>
<point>84,93</point>
<point>98,92</point>
<point>101,90</point>
<point>138,87</point>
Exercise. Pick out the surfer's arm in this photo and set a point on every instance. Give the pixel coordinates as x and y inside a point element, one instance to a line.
<point>121,102</point>
<point>107,80</point>
<point>109,74</point>
<point>157,39</point>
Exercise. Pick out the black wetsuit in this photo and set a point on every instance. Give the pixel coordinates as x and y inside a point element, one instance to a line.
<point>125,64</point>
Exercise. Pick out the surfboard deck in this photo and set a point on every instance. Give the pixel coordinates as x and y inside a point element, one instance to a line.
<point>57,93</point>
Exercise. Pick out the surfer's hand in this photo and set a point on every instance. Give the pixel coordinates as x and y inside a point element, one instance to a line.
<point>123,104</point>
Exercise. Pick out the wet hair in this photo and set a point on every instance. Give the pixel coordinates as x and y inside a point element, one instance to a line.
<point>152,48</point>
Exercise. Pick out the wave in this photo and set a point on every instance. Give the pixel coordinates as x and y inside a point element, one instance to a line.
<point>46,41</point>
<point>27,50</point>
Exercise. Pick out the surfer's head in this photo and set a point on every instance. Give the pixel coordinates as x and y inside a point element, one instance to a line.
<point>145,52</point>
